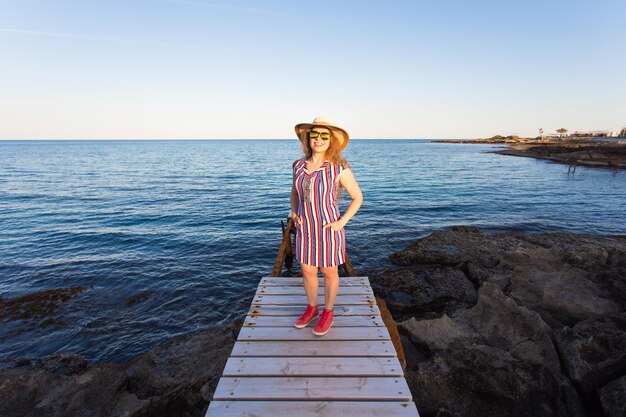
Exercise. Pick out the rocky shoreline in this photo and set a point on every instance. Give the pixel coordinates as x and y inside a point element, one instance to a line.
<point>491,325</point>
<point>511,323</point>
<point>585,152</point>
<point>176,379</point>
<point>604,155</point>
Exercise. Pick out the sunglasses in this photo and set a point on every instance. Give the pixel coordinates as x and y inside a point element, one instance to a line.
<point>315,135</point>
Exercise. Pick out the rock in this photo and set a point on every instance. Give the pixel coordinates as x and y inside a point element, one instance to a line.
<point>39,392</point>
<point>562,295</point>
<point>612,396</point>
<point>437,334</point>
<point>177,378</point>
<point>413,357</point>
<point>594,351</point>
<point>138,298</point>
<point>447,247</point>
<point>423,293</point>
<point>505,325</point>
<point>23,361</point>
<point>62,363</point>
<point>515,361</point>
<point>589,153</point>
<point>481,317</point>
<point>499,356</point>
<point>38,308</point>
<point>565,277</point>
<point>179,374</point>
<point>478,380</point>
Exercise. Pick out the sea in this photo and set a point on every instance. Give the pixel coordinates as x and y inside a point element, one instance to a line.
<point>171,236</point>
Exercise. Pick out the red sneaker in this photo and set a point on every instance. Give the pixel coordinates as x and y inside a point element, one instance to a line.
<point>309,314</point>
<point>323,326</point>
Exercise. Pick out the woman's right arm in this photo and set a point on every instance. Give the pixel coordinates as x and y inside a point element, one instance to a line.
<point>295,201</point>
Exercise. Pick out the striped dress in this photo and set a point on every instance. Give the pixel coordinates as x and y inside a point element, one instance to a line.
<point>317,206</point>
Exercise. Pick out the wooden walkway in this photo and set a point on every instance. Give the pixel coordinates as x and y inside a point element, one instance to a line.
<point>277,370</point>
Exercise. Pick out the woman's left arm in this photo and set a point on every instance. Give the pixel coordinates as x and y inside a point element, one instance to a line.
<point>347,180</point>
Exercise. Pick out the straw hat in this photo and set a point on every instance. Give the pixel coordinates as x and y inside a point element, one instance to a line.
<point>340,134</point>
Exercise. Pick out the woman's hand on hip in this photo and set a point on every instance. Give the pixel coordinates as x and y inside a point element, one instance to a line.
<point>336,225</point>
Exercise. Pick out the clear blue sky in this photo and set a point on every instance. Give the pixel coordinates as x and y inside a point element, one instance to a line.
<point>252,69</point>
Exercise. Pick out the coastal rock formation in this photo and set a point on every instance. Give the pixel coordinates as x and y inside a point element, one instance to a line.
<point>566,278</point>
<point>496,351</point>
<point>426,294</point>
<point>491,324</point>
<point>612,396</point>
<point>594,351</point>
<point>39,308</point>
<point>587,151</point>
<point>545,334</point>
<point>175,379</point>
<point>606,155</point>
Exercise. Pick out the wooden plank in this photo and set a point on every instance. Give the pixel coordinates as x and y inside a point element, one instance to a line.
<point>278,370</point>
<point>299,289</point>
<point>320,278</point>
<point>343,281</point>
<point>291,333</point>
<point>288,321</point>
<point>285,310</point>
<point>355,348</point>
<point>314,366</point>
<point>302,299</point>
<point>311,409</point>
<point>313,388</point>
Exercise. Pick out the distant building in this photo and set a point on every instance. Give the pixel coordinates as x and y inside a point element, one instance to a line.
<point>563,135</point>
<point>592,134</point>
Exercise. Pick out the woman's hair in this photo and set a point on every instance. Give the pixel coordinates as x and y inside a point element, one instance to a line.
<point>333,154</point>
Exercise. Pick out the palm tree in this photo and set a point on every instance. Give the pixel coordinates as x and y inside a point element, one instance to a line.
<point>562,131</point>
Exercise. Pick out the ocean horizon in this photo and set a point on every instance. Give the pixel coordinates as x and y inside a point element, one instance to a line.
<point>168,236</point>
<point>208,139</point>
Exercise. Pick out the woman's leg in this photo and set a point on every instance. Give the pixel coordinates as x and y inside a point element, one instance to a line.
<point>309,273</point>
<point>331,285</point>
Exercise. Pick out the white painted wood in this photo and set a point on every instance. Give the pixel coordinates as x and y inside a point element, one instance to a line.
<point>343,281</point>
<point>313,366</point>
<point>278,370</point>
<point>313,388</point>
<point>312,409</point>
<point>292,333</point>
<point>302,299</point>
<point>355,348</point>
<point>296,290</point>
<point>339,310</point>
<point>288,321</point>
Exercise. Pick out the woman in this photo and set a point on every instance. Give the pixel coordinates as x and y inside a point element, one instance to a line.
<point>320,237</point>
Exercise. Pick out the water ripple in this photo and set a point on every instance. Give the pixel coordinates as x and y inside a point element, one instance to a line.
<point>170,236</point>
